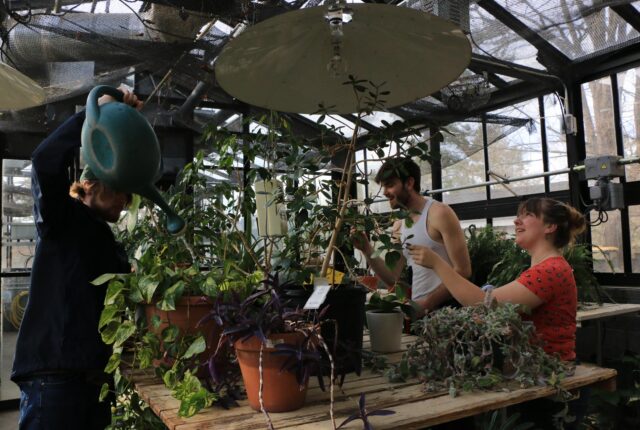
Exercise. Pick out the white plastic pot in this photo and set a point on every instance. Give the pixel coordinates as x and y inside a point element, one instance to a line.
<point>385,330</point>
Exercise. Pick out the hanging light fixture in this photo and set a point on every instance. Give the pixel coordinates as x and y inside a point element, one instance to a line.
<point>18,91</point>
<point>299,61</point>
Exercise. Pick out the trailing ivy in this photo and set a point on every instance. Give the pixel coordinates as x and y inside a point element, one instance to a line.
<point>477,347</point>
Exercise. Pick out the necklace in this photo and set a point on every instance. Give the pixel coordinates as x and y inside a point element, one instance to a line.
<point>548,255</point>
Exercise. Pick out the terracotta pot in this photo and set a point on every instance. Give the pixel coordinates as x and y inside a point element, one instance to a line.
<point>189,311</point>
<point>280,389</point>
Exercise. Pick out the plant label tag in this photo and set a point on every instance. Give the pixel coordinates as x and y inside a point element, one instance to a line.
<point>320,290</point>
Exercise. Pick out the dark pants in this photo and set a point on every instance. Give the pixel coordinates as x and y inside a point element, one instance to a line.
<point>62,402</point>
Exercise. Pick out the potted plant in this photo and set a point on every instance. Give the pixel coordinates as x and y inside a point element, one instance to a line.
<point>277,347</point>
<point>175,282</point>
<point>385,319</point>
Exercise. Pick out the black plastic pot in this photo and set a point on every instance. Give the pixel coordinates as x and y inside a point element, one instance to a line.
<point>346,308</point>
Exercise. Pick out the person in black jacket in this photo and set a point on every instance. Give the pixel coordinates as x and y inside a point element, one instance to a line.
<point>60,357</point>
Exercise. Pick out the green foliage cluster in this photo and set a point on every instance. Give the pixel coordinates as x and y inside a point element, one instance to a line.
<point>488,247</point>
<point>477,347</point>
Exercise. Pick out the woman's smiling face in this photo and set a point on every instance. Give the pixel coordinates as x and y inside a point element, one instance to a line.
<point>529,229</point>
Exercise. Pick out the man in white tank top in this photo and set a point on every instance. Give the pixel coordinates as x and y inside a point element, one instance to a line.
<point>435,225</point>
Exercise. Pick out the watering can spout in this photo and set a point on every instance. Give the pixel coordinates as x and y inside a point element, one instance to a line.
<point>175,224</point>
<point>120,147</point>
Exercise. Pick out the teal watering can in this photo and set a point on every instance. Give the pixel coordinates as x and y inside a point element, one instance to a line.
<point>122,150</point>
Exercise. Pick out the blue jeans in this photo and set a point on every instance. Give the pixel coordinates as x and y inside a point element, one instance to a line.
<point>62,402</point>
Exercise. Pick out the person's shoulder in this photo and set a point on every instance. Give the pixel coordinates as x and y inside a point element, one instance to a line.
<point>442,211</point>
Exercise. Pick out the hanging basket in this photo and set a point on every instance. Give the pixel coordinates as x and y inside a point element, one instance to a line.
<point>467,93</point>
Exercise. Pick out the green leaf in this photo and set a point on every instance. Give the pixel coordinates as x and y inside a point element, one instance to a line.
<point>198,346</point>
<point>148,285</point>
<point>108,314</point>
<point>170,334</point>
<point>103,278</point>
<point>125,331</point>
<point>391,259</point>
<point>113,291</point>
<point>104,392</point>
<point>172,294</point>
<point>113,363</point>
<point>108,334</point>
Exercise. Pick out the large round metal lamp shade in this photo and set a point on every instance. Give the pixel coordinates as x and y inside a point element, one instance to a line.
<point>17,91</point>
<point>281,63</point>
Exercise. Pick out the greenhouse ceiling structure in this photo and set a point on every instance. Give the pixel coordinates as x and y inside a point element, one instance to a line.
<point>520,49</point>
<point>527,57</point>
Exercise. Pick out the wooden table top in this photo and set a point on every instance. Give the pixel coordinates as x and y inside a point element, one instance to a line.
<point>606,310</point>
<point>414,408</point>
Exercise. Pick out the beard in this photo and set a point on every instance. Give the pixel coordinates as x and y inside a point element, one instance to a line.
<point>400,200</point>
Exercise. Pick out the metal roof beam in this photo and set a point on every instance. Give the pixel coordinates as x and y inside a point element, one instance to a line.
<point>494,65</point>
<point>548,55</point>
<point>629,14</point>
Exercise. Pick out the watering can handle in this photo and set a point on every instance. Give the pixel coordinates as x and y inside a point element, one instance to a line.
<point>93,110</point>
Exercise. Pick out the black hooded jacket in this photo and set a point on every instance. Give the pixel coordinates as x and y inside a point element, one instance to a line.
<point>59,330</point>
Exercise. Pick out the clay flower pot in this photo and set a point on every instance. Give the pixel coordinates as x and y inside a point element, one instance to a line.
<point>189,311</point>
<point>280,389</point>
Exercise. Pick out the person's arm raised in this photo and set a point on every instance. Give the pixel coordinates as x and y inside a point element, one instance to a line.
<point>388,275</point>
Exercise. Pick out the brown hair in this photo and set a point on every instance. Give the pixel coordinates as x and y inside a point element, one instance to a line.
<point>401,168</point>
<point>78,190</point>
<point>568,220</point>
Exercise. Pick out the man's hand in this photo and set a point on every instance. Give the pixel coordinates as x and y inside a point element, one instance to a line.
<point>423,256</point>
<point>361,242</point>
<point>128,98</point>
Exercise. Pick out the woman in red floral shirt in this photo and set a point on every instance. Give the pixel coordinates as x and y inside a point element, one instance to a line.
<point>548,288</point>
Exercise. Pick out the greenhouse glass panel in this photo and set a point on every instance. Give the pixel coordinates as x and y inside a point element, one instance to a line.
<point>516,150</point>
<point>606,240</point>
<point>493,38</point>
<point>18,249</point>
<point>577,29</point>
<point>463,162</point>
<point>505,224</point>
<point>478,223</point>
<point>597,112</point>
<point>634,227</point>
<point>629,94</point>
<point>556,142</point>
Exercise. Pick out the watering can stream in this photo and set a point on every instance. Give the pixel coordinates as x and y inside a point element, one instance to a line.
<point>122,150</point>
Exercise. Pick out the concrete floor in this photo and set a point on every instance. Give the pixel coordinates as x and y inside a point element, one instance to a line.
<point>8,390</point>
<point>9,420</point>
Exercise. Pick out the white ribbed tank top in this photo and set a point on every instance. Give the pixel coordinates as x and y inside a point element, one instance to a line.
<point>424,280</point>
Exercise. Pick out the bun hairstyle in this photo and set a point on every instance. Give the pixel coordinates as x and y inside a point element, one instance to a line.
<point>569,221</point>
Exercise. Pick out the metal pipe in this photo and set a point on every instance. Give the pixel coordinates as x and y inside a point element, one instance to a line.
<point>578,168</point>
<point>500,182</point>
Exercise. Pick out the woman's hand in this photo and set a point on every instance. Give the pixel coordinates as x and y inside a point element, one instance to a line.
<point>128,98</point>
<point>423,256</point>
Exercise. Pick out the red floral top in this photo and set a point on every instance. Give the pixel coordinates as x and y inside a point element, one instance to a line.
<point>555,320</point>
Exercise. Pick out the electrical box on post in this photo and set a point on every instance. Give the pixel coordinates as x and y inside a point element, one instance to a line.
<point>604,166</point>
<point>606,195</point>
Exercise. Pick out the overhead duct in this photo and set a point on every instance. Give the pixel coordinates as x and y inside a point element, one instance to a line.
<point>456,11</point>
<point>73,37</point>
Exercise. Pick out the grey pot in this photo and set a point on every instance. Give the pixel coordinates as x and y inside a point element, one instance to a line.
<point>385,330</point>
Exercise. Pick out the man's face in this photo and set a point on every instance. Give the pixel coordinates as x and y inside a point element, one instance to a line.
<point>106,202</point>
<point>397,193</point>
